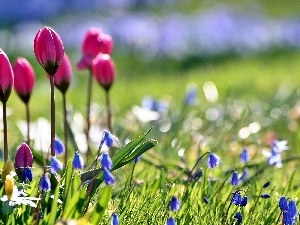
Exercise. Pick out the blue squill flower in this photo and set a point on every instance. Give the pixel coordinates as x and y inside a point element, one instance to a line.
<point>78,162</point>
<point>245,174</point>
<point>114,219</point>
<point>59,147</point>
<point>171,221</point>
<point>175,204</point>
<point>28,174</point>
<point>292,210</point>
<point>267,184</point>
<point>108,139</point>
<point>56,165</point>
<point>45,183</point>
<point>245,156</point>
<point>244,201</point>
<point>239,218</point>
<point>235,178</point>
<point>137,159</point>
<point>283,204</point>
<point>106,161</point>
<point>213,161</point>
<point>236,199</point>
<point>108,177</point>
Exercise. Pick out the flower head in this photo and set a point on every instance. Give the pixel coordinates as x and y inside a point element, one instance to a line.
<point>95,42</point>
<point>106,161</point>
<point>24,78</point>
<point>236,199</point>
<point>191,96</point>
<point>63,75</point>
<point>239,218</point>
<point>175,204</point>
<point>45,183</point>
<point>59,147</point>
<point>244,201</point>
<point>108,177</point>
<point>245,156</point>
<point>265,196</point>
<point>9,186</point>
<point>244,175</point>
<point>114,219</point>
<point>56,165</point>
<point>6,77</point>
<point>24,157</point>
<point>48,49</point>
<point>7,168</point>
<point>108,139</point>
<point>78,162</point>
<point>213,161</point>
<point>235,178</point>
<point>103,69</point>
<point>283,204</point>
<point>171,221</point>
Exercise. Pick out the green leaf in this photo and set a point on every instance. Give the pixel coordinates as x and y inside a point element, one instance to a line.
<point>53,213</point>
<point>101,205</point>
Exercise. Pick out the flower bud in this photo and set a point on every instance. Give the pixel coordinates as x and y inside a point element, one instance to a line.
<point>24,78</point>
<point>9,186</point>
<point>63,75</point>
<point>7,168</point>
<point>95,41</point>
<point>24,157</point>
<point>6,77</point>
<point>48,49</point>
<point>103,69</point>
<point>78,162</point>
<point>45,183</point>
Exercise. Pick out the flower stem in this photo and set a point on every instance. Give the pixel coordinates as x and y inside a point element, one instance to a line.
<point>5,131</point>
<point>108,111</point>
<point>52,114</point>
<point>65,127</point>
<point>28,123</point>
<point>88,108</point>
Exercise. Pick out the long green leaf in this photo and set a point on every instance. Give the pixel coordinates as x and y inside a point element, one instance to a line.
<point>101,205</point>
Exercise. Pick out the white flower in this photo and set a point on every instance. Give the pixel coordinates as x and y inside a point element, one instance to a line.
<point>19,198</point>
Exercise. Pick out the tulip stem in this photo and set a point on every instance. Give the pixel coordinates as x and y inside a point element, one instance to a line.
<point>28,123</point>
<point>65,127</point>
<point>108,111</point>
<point>88,108</point>
<point>52,114</point>
<point>5,131</point>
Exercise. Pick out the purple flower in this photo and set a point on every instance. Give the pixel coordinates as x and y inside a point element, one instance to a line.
<point>235,178</point>
<point>78,162</point>
<point>108,139</point>
<point>245,156</point>
<point>108,177</point>
<point>213,161</point>
<point>59,147</point>
<point>114,219</point>
<point>175,204</point>
<point>45,183</point>
<point>171,221</point>
<point>244,201</point>
<point>283,204</point>
<point>239,218</point>
<point>55,165</point>
<point>106,161</point>
<point>236,199</point>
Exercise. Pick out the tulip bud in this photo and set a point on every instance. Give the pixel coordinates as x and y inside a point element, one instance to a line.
<point>23,160</point>
<point>6,77</point>
<point>9,186</point>
<point>95,42</point>
<point>24,78</point>
<point>7,168</point>
<point>103,69</point>
<point>48,49</point>
<point>63,75</point>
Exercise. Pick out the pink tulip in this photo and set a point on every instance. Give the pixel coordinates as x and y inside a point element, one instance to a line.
<point>103,69</point>
<point>24,78</point>
<point>63,75</point>
<point>48,49</point>
<point>24,157</point>
<point>95,41</point>
<point>6,77</point>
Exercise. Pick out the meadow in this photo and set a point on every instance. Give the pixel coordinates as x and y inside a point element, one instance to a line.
<point>201,141</point>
